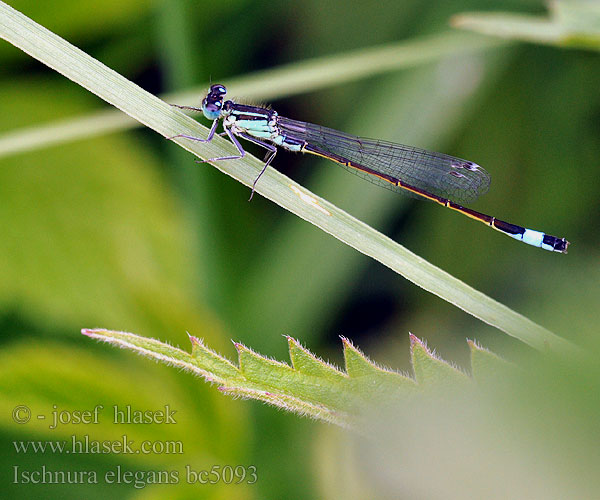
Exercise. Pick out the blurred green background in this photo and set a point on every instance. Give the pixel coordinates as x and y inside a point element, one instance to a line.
<point>125,231</point>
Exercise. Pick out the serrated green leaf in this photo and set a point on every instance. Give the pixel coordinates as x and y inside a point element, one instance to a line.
<point>305,362</point>
<point>210,361</point>
<point>486,365</point>
<point>372,382</point>
<point>310,387</point>
<point>279,377</point>
<point>430,370</point>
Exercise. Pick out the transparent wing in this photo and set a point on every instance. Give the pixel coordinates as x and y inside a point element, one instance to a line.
<point>459,180</point>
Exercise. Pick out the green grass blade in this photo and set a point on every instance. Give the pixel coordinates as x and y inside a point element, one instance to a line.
<point>572,23</point>
<point>283,81</point>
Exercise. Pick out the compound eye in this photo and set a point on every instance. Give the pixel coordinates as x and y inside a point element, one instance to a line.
<point>218,89</point>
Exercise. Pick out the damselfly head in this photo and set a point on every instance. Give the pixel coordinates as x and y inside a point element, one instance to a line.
<point>212,104</point>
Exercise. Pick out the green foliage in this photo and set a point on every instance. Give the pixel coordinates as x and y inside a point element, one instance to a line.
<point>83,69</point>
<point>571,23</point>
<point>284,81</point>
<point>126,231</point>
<point>310,386</point>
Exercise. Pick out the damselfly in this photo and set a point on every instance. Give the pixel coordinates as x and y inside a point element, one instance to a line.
<point>441,178</point>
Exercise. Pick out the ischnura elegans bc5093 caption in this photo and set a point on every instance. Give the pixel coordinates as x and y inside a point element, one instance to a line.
<point>441,178</point>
